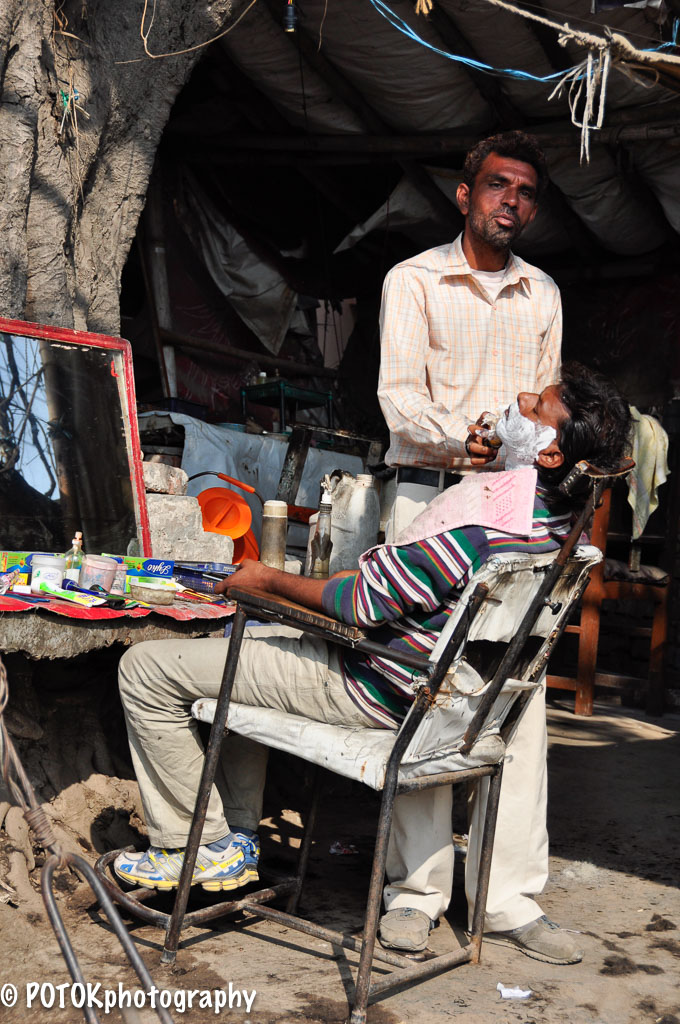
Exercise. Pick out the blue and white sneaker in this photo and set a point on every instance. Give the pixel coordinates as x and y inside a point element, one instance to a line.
<point>157,868</point>
<point>250,844</point>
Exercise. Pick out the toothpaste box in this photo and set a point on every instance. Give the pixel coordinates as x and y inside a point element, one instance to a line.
<point>156,568</point>
<point>149,566</point>
<point>137,565</point>
<point>22,560</point>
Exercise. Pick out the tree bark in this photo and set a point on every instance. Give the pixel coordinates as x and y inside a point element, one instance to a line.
<point>82,110</point>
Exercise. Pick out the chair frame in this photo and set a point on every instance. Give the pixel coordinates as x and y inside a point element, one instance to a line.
<point>251,603</point>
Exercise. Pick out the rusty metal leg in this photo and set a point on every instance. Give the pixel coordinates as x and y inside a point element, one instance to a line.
<point>373,903</point>
<point>484,869</point>
<point>207,777</point>
<point>306,844</point>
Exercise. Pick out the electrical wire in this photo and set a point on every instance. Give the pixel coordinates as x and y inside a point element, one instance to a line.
<point>477,65</point>
<point>386,12</point>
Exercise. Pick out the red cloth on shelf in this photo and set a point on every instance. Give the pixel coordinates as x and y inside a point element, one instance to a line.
<point>181,610</point>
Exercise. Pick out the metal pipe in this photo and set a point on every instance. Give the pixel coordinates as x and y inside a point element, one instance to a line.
<point>306,844</point>
<point>335,938</point>
<point>207,777</point>
<point>404,737</point>
<point>444,779</point>
<point>484,869</point>
<point>365,646</point>
<point>112,914</point>
<point>419,972</point>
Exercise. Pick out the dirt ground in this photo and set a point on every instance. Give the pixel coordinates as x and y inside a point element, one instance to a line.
<point>615,836</point>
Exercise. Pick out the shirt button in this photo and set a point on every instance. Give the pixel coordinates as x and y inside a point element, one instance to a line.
<point>495,352</point>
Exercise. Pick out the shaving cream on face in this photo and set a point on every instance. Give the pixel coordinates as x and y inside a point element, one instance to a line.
<point>522,438</point>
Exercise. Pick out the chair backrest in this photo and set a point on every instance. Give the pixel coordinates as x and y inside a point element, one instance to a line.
<point>513,581</point>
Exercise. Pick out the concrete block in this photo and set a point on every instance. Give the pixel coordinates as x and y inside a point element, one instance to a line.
<point>159,478</point>
<point>177,531</point>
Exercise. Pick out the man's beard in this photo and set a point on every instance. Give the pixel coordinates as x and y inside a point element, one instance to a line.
<point>494,234</point>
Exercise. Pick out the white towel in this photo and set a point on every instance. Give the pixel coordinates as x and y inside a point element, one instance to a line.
<point>650,450</point>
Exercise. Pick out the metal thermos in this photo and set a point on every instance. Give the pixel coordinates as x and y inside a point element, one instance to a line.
<point>320,543</point>
<point>274,531</point>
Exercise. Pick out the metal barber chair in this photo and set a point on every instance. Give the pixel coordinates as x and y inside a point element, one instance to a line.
<point>469,694</point>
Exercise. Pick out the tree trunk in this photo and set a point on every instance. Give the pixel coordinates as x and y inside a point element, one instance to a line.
<point>82,109</point>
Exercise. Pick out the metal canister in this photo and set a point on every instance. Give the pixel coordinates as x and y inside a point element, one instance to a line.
<point>274,532</point>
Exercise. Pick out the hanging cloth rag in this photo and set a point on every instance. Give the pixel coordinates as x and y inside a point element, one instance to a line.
<point>650,451</point>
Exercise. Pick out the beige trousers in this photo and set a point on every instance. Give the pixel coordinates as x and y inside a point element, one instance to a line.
<point>420,853</point>
<point>160,679</point>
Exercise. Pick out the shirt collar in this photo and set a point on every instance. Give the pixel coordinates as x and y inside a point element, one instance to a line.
<point>516,270</point>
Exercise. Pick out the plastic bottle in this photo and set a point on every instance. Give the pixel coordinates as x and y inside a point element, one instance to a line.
<point>74,558</point>
<point>320,544</point>
<point>274,531</point>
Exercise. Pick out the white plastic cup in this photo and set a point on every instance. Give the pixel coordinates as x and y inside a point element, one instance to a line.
<point>46,569</point>
<point>97,570</point>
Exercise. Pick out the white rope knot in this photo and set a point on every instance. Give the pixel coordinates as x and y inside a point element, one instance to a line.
<point>586,81</point>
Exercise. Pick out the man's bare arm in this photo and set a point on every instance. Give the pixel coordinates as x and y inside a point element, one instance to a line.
<point>300,589</point>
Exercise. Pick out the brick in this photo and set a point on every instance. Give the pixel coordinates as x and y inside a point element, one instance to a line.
<point>159,478</point>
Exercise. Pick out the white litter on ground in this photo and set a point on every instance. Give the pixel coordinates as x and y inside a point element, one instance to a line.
<point>513,993</point>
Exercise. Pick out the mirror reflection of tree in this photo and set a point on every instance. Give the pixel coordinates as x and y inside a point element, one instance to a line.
<point>28,475</point>
<point>64,461</point>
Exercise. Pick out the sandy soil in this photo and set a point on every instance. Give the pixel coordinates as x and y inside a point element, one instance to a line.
<point>615,831</point>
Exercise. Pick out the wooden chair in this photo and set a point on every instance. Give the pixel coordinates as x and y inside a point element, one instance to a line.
<point>588,629</point>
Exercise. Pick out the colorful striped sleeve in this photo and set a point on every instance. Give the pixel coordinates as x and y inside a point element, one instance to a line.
<point>396,580</point>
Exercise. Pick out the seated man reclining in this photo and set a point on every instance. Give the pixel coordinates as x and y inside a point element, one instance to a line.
<point>404,592</point>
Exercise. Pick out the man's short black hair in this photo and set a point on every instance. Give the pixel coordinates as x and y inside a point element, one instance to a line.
<point>517,146</point>
<point>599,424</point>
<point>598,428</point>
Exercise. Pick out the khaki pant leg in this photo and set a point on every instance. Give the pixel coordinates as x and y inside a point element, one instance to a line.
<point>159,680</point>
<point>420,852</point>
<point>519,866</point>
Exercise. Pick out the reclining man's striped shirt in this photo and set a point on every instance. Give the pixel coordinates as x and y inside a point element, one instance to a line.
<point>407,593</point>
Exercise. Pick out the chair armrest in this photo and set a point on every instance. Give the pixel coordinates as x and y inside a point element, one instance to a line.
<point>293,614</point>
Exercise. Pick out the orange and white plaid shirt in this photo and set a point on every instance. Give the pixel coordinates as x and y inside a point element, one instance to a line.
<point>448,352</point>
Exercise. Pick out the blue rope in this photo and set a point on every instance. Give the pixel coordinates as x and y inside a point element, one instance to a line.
<point>477,65</point>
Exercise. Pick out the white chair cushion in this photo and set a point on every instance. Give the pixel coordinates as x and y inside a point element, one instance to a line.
<point>360,754</point>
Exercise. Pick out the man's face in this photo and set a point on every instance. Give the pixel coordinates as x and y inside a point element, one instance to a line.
<point>530,429</point>
<point>501,202</point>
<point>546,408</point>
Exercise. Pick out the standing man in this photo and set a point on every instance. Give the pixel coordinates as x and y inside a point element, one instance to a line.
<point>464,327</point>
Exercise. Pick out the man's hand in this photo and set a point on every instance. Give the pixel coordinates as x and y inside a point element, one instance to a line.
<point>250,573</point>
<point>479,452</point>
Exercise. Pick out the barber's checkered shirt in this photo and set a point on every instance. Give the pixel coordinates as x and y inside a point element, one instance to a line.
<point>448,352</point>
